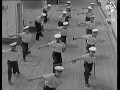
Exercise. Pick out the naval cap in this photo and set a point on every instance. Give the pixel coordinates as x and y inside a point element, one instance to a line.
<point>26,27</point>
<point>68,2</point>
<point>92,3</point>
<point>58,35</point>
<point>49,5</point>
<point>13,44</point>
<point>95,30</point>
<point>64,12</point>
<point>59,68</point>
<point>65,23</point>
<point>89,7</point>
<point>92,48</point>
<point>43,14</point>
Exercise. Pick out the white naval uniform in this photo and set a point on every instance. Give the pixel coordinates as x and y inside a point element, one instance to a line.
<point>51,81</point>
<point>10,55</point>
<point>26,38</point>
<point>91,41</point>
<point>57,49</point>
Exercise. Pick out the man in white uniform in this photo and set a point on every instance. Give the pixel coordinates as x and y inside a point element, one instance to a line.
<point>12,56</point>
<point>45,10</point>
<point>62,18</point>
<point>57,48</point>
<point>91,39</point>
<point>39,23</point>
<point>26,38</point>
<point>89,59</point>
<point>53,80</point>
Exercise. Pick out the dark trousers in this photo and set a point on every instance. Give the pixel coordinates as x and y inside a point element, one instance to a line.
<point>88,31</point>
<point>45,19</point>
<point>60,23</point>
<point>63,39</point>
<point>87,19</point>
<point>57,59</point>
<point>39,28</point>
<point>48,88</point>
<point>25,49</point>
<point>88,69</point>
<point>12,65</point>
<point>88,46</point>
<point>67,19</point>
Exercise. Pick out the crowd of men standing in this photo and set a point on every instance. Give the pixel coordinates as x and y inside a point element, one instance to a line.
<point>58,46</point>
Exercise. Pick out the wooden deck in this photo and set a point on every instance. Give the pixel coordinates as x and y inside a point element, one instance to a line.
<point>106,66</point>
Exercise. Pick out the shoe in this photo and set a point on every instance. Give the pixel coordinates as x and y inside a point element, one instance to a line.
<point>24,60</point>
<point>29,52</point>
<point>90,74</point>
<point>41,35</point>
<point>18,73</point>
<point>9,82</point>
<point>87,84</point>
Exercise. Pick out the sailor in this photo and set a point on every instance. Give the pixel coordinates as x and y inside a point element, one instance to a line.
<point>62,18</point>
<point>90,25</point>
<point>39,22</point>
<point>89,59</point>
<point>12,55</point>
<point>92,5</point>
<point>26,38</point>
<point>91,39</point>
<point>45,10</point>
<point>53,80</point>
<point>57,48</point>
<point>88,13</point>
<point>68,15</point>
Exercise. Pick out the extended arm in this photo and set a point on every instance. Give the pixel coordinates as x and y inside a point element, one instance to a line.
<point>46,45</point>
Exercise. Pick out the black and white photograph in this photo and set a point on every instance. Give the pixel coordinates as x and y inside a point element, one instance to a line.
<point>59,45</point>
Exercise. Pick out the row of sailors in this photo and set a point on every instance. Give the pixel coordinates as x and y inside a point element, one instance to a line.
<point>58,46</point>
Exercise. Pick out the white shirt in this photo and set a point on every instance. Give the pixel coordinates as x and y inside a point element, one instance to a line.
<point>26,37</point>
<point>10,55</point>
<point>57,47</point>
<point>63,31</point>
<point>88,14</point>
<point>90,26</point>
<point>90,39</point>
<point>40,20</point>
<point>68,13</point>
<point>52,81</point>
<point>88,58</point>
<point>62,18</point>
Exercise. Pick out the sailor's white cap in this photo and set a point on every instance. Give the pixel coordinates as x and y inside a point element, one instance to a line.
<point>92,48</point>
<point>92,3</point>
<point>43,14</point>
<point>65,23</point>
<point>89,7</point>
<point>58,35</point>
<point>59,68</point>
<point>95,30</point>
<point>68,2</point>
<point>49,5</point>
<point>13,44</point>
<point>64,12</point>
<point>26,27</point>
<point>92,16</point>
